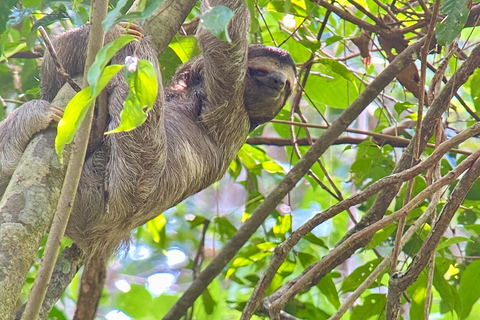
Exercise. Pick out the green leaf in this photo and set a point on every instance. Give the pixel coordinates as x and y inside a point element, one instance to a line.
<point>72,118</point>
<point>282,226</point>
<point>110,19</point>
<point>373,305</point>
<point>225,227</point>
<point>381,235</point>
<point>448,292</point>
<point>475,89</point>
<point>145,9</point>
<point>457,14</point>
<point>361,167</point>
<point>315,240</point>
<point>469,287</point>
<point>141,97</point>
<point>474,192</point>
<point>208,301</point>
<point>402,106</point>
<point>102,58</point>
<point>31,3</point>
<point>286,268</point>
<point>77,108</point>
<point>358,276</point>
<point>328,289</point>
<point>272,167</point>
<point>157,228</point>
<point>216,21</point>
<point>338,68</point>
<point>333,39</point>
<point>452,240</point>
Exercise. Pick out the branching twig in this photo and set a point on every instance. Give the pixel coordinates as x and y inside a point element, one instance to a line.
<point>309,275</point>
<point>402,280</point>
<point>284,248</point>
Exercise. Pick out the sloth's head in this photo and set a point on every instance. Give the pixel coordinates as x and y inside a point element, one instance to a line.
<point>270,78</point>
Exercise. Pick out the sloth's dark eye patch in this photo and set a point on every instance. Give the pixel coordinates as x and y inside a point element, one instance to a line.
<point>257,72</point>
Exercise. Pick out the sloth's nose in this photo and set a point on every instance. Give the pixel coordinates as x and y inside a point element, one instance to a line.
<point>275,80</point>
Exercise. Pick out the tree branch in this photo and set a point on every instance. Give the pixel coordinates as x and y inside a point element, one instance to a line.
<point>400,281</point>
<point>282,251</point>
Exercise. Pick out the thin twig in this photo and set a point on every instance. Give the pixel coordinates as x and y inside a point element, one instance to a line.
<point>57,62</point>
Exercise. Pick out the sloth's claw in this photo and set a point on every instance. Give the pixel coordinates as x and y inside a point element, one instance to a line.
<point>130,28</point>
<point>57,113</point>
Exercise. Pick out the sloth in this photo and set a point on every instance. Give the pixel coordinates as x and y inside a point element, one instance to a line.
<point>195,129</point>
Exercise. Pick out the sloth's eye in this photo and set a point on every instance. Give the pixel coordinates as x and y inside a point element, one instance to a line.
<point>257,72</point>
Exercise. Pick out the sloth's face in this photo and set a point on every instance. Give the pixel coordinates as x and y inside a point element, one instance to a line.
<point>269,82</point>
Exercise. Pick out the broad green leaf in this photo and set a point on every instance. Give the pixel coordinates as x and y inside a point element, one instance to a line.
<point>329,290</point>
<point>448,292</point>
<point>361,167</point>
<point>216,21</point>
<point>72,118</point>
<point>373,305</point>
<point>286,268</point>
<point>225,227</point>
<point>338,68</point>
<point>157,228</point>
<point>267,246</point>
<point>358,276</point>
<point>141,97</point>
<point>11,48</point>
<point>469,287</point>
<point>282,226</point>
<point>331,90</point>
<point>474,192</point>
<point>102,58</point>
<point>272,167</point>
<point>333,39</point>
<point>457,14</point>
<point>31,3</point>
<point>208,301</point>
<point>402,106</point>
<point>452,240</point>
<point>77,108</point>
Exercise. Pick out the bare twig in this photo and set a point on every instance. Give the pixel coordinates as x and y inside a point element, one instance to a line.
<point>57,62</point>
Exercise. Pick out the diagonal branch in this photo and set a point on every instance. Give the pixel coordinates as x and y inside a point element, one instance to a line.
<point>384,198</point>
<point>308,278</point>
<point>282,251</point>
<point>400,281</point>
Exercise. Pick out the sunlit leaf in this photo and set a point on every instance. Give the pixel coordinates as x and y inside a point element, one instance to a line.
<point>143,86</point>
<point>358,276</point>
<point>216,21</point>
<point>452,240</point>
<point>77,108</point>
<point>102,58</point>
<point>469,287</point>
<point>282,226</point>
